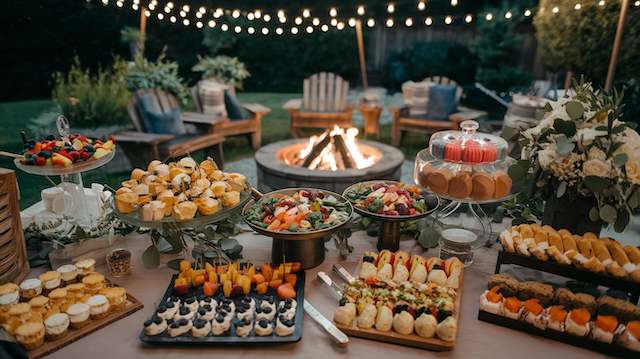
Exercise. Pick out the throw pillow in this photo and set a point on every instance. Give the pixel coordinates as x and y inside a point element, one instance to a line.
<point>442,102</point>
<point>211,94</point>
<point>166,122</point>
<point>146,103</point>
<point>234,109</point>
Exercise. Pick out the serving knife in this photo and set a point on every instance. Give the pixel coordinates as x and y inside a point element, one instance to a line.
<point>336,334</point>
<point>327,281</point>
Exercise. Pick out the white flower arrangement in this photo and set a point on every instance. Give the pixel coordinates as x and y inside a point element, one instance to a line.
<point>582,148</point>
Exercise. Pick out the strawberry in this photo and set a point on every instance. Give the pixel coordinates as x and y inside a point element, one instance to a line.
<point>40,161</point>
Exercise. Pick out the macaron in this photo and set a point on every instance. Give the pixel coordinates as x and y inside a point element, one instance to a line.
<point>460,185</point>
<point>483,186</point>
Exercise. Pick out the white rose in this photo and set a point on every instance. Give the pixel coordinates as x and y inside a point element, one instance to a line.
<point>633,171</point>
<point>546,156</point>
<point>596,168</point>
<point>597,154</point>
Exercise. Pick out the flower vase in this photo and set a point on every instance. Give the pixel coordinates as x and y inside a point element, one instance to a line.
<point>571,214</point>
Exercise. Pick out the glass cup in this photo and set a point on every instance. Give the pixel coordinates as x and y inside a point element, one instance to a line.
<point>457,242</point>
<point>119,261</point>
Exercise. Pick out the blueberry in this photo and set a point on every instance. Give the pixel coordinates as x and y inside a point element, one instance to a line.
<point>282,318</point>
<point>259,310</point>
<point>201,297</point>
<point>219,318</point>
<point>369,259</point>
<point>202,311</point>
<point>263,323</point>
<point>420,311</point>
<point>401,308</point>
<point>244,322</point>
<point>267,310</point>
<point>170,321</point>
<point>282,310</point>
<point>436,266</point>
<point>206,307</point>
<point>170,305</point>
<point>199,323</point>
<point>287,305</point>
<point>226,308</point>
<point>148,322</point>
<point>246,300</point>
<point>162,309</point>
<point>174,325</point>
<point>288,301</point>
<point>182,322</point>
<point>342,302</point>
<point>190,300</point>
<point>442,315</point>
<point>269,299</point>
<point>157,320</point>
<point>184,310</point>
<point>206,300</point>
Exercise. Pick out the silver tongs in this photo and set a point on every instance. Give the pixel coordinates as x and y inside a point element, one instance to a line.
<point>329,283</point>
<point>341,272</point>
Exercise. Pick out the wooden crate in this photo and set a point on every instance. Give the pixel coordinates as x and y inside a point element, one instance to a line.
<point>14,263</point>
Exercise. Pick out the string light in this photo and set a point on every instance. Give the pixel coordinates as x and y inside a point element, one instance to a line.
<point>151,6</point>
<point>212,24</point>
<point>489,17</point>
<point>281,13</point>
<point>224,27</point>
<point>360,10</point>
<point>315,21</point>
<point>265,31</point>
<point>340,25</point>
<point>257,14</point>
<point>134,7</point>
<point>527,13</point>
<point>170,5</point>
<point>555,9</point>
<point>389,22</point>
<point>454,2</point>
<point>468,19</point>
<point>218,13</point>
<point>324,28</point>
<point>167,9</point>
<point>333,12</point>
<point>266,18</point>
<point>294,30</point>
<point>422,5</point>
<point>119,4</point>
<point>250,16</point>
<point>637,3</point>
<point>298,20</point>
<point>601,3</point>
<point>371,22</point>
<point>160,16</point>
<point>391,8</point>
<point>309,29</point>
<point>428,21</point>
<point>408,22</point>
<point>352,22</point>
<point>578,6</point>
<point>282,19</point>
<point>448,20</point>
<point>237,29</point>
<point>235,14</point>
<point>199,25</point>
<point>334,22</point>
<point>182,13</point>
<point>202,9</point>
<point>147,13</point>
<point>199,15</point>
<point>279,30</point>
<point>306,13</point>
<point>185,22</point>
<point>172,19</point>
<point>251,30</point>
<point>508,15</point>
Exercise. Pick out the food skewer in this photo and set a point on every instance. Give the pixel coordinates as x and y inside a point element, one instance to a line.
<point>11,154</point>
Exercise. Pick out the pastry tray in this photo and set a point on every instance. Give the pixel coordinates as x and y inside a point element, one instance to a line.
<point>569,271</point>
<point>583,342</point>
<point>230,338</point>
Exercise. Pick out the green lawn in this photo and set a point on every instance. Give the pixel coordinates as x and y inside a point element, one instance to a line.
<point>16,116</point>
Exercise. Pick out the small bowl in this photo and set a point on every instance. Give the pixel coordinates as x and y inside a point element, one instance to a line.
<point>458,242</point>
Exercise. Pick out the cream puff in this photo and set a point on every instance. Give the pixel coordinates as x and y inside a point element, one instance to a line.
<point>179,327</point>
<point>244,327</point>
<point>155,326</point>
<point>264,328</point>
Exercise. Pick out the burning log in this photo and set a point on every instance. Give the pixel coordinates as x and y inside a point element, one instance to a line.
<point>341,146</point>
<point>317,149</point>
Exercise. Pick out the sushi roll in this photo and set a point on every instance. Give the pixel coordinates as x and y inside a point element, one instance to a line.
<point>556,317</point>
<point>446,330</point>
<point>368,268</point>
<point>418,272</point>
<point>401,273</point>
<point>534,313</point>
<point>367,317</point>
<point>268,302</point>
<point>384,319</point>
<point>263,327</point>
<point>578,322</point>
<point>345,313</point>
<point>267,313</point>
<point>437,276</point>
<point>201,328</point>
<point>426,325</point>
<point>630,337</point>
<point>191,303</point>
<point>206,312</point>
<point>244,311</point>
<point>403,323</point>
<point>208,301</point>
<point>284,326</point>
<point>385,272</point>
<point>167,310</point>
<point>155,326</point>
<point>250,301</point>
<point>512,308</point>
<point>184,313</point>
<point>491,301</point>
<point>244,327</point>
<point>401,257</point>
<point>604,328</point>
<point>220,324</point>
<point>179,327</point>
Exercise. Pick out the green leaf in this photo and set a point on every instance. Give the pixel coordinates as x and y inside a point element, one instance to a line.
<point>564,146</point>
<point>151,257</point>
<point>174,263</point>
<point>593,214</point>
<point>227,244</point>
<point>547,107</point>
<point>516,173</point>
<point>574,109</point>
<point>602,128</point>
<point>525,164</point>
<point>562,188</point>
<point>634,199</point>
<point>619,160</point>
<point>622,220</point>
<point>618,129</point>
<point>608,213</point>
<point>595,183</point>
<point>568,128</point>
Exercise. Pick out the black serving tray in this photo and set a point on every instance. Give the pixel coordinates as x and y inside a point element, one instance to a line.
<point>568,271</point>
<point>230,338</point>
<point>583,342</point>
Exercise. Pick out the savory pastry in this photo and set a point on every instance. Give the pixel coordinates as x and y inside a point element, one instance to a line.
<point>620,256</point>
<point>201,328</point>
<point>184,210</point>
<point>558,256</point>
<point>78,315</point>
<point>367,317</point>
<point>117,297</point>
<point>533,313</point>
<point>426,325</point>
<point>505,285</point>
<point>446,329</point>
<point>630,337</point>
<point>604,328</point>
<point>220,324</point>
<point>207,206</point>
<point>506,239</point>
<point>437,276</point>
<point>601,252</point>
<point>418,272</point>
<point>556,317</point>
<point>633,253</point>
<point>542,292</point>
<point>263,327</point>
<point>50,281</point>
<point>179,327</point>
<point>385,272</point>
<point>126,202</point>
<point>384,319</point>
<point>169,199</point>
<point>56,326</point>
<point>284,326</point>
<point>621,309</point>
<point>231,199</point>
<point>569,243</point>
<point>30,288</point>
<point>367,270</point>
<point>99,306</point>
<point>244,327</point>
<point>512,308</point>
<point>69,273</point>
<point>403,323</point>
<point>93,283</point>
<point>153,211</point>
<point>30,335</point>
<point>491,301</point>
<point>9,294</point>
<point>578,322</point>
<point>155,326</point>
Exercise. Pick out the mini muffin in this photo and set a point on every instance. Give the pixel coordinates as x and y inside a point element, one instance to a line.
<point>99,306</point>
<point>50,281</point>
<point>78,315</point>
<point>56,326</point>
<point>39,305</point>
<point>69,273</point>
<point>30,335</point>
<point>30,288</point>
<point>75,291</point>
<point>58,297</point>
<point>18,314</point>
<point>93,283</point>
<point>117,297</point>
<point>86,266</point>
<point>9,294</point>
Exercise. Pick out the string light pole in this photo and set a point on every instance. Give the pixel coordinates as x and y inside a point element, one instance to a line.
<point>143,28</point>
<point>363,64</point>
<point>613,62</point>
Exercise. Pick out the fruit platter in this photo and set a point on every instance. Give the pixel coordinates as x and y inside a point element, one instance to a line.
<point>403,299</point>
<point>232,303</point>
<point>60,156</point>
<point>183,192</point>
<point>588,320</point>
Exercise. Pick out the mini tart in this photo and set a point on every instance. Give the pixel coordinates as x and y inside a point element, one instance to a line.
<point>68,273</point>
<point>78,315</point>
<point>265,312</point>
<point>117,297</point>
<point>40,304</point>
<point>220,324</point>
<point>201,328</point>
<point>284,327</point>
<point>263,328</point>
<point>75,291</point>
<point>56,326</point>
<point>243,327</point>
<point>184,313</point>
<point>179,327</point>
<point>50,280</point>
<point>155,326</point>
<point>167,311</point>
<point>30,335</point>
<point>86,266</point>
<point>191,303</point>
<point>9,294</point>
<point>58,297</point>
<point>93,283</point>
<point>491,301</point>
<point>206,312</point>
<point>99,306</point>
<point>30,288</point>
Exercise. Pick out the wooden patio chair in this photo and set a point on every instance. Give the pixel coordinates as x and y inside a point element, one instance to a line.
<point>403,122</point>
<point>324,104</point>
<point>251,127</point>
<point>142,147</point>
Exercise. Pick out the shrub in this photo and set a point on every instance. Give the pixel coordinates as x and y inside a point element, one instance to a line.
<point>224,68</point>
<point>92,100</point>
<point>161,74</point>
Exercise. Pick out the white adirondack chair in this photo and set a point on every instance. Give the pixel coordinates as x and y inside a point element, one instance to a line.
<point>324,104</point>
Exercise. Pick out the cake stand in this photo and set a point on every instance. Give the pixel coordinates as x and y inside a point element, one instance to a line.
<point>304,247</point>
<point>389,234</point>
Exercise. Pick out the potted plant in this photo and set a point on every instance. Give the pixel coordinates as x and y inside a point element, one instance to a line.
<point>583,161</point>
<point>161,74</point>
<point>227,70</point>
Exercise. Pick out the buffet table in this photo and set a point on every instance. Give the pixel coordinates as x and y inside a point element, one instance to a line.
<point>476,339</point>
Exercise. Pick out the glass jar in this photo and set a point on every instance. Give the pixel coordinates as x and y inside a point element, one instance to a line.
<point>119,262</point>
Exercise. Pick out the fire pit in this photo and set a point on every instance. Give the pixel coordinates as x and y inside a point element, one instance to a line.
<point>332,160</point>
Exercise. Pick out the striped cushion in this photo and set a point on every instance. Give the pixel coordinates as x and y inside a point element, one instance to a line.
<point>211,95</point>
